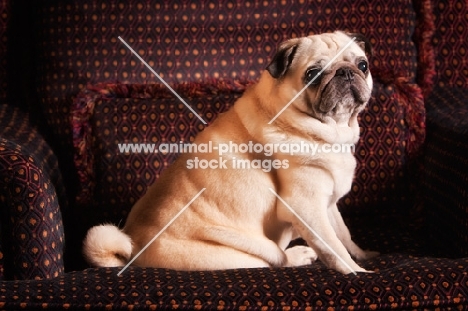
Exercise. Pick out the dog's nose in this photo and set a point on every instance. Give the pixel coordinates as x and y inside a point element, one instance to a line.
<point>346,73</point>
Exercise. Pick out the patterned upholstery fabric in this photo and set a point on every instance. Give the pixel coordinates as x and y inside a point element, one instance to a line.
<point>449,41</point>
<point>4,18</point>
<point>402,282</point>
<point>32,236</point>
<point>446,167</point>
<point>198,41</point>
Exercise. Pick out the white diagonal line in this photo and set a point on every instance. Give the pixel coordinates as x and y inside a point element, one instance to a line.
<point>311,81</point>
<point>313,231</point>
<point>160,232</point>
<point>161,79</point>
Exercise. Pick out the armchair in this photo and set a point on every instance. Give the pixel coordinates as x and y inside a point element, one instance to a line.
<point>61,170</point>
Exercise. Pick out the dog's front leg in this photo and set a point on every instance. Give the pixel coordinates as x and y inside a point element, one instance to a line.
<point>344,235</point>
<point>305,206</point>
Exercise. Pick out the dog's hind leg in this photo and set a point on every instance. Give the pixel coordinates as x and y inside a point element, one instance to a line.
<point>253,244</point>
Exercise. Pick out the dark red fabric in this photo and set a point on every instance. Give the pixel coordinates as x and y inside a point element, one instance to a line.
<point>451,46</point>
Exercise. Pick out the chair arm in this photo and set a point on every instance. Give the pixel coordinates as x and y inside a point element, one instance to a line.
<point>445,182</point>
<point>32,235</point>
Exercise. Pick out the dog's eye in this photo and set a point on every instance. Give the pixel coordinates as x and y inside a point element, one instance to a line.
<point>363,66</point>
<point>313,74</point>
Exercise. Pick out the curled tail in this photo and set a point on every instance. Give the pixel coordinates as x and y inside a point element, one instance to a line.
<point>107,246</point>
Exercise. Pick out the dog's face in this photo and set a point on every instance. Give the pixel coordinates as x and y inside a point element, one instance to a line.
<point>341,90</point>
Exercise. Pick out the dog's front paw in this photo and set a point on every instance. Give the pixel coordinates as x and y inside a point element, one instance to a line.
<point>300,256</point>
<point>362,270</point>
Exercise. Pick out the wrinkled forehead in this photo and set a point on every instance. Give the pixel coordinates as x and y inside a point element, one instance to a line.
<point>326,46</point>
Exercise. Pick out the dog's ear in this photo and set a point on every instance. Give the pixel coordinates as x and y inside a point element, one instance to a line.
<point>363,42</point>
<point>283,58</point>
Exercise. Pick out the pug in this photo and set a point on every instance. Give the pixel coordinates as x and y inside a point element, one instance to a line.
<point>246,216</point>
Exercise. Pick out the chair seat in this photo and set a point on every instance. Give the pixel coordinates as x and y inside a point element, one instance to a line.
<point>400,281</point>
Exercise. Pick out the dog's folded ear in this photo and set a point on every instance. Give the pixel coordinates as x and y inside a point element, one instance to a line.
<point>363,42</point>
<point>283,58</point>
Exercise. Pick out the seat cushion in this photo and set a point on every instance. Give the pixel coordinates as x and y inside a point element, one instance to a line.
<point>401,282</point>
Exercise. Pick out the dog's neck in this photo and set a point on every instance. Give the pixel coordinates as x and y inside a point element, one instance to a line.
<point>344,129</point>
